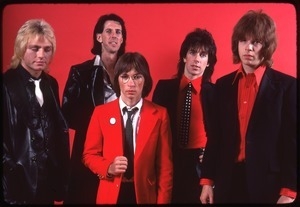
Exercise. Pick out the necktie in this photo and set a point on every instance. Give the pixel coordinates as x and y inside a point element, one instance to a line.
<point>185,117</point>
<point>38,92</point>
<point>128,148</point>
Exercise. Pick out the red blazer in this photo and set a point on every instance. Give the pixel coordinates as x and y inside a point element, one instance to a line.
<point>153,168</point>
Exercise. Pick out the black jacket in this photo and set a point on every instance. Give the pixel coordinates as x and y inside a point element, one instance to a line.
<point>166,94</point>
<point>35,138</point>
<point>271,138</point>
<point>83,91</point>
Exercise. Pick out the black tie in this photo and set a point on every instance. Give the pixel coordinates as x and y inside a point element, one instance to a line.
<point>128,148</point>
<point>185,117</point>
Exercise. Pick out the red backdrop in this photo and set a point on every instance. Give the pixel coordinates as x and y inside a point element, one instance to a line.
<point>156,30</point>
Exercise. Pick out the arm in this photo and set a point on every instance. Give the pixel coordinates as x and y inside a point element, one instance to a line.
<point>93,148</point>
<point>8,162</point>
<point>164,161</point>
<point>288,143</point>
<point>70,100</point>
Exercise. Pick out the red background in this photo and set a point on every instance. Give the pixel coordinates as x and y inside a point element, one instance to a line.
<point>156,30</point>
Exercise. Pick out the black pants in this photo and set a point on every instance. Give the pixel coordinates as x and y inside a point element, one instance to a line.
<point>186,188</point>
<point>238,192</point>
<point>127,193</point>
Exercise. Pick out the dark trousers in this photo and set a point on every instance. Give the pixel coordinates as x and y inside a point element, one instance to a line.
<point>127,193</point>
<point>186,188</point>
<point>238,192</point>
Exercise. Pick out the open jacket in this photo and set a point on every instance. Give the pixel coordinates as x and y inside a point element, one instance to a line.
<point>271,138</point>
<point>153,169</point>
<point>166,94</point>
<point>22,127</point>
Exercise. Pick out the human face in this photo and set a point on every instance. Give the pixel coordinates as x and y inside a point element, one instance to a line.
<point>38,55</point>
<point>195,63</point>
<point>131,86</point>
<point>249,52</point>
<point>111,38</point>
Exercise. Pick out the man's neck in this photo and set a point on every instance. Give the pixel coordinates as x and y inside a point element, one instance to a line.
<point>109,61</point>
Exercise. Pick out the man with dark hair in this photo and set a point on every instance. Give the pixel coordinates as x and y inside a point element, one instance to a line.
<point>197,59</point>
<point>91,84</point>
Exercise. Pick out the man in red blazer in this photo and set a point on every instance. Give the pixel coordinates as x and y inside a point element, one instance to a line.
<point>151,182</point>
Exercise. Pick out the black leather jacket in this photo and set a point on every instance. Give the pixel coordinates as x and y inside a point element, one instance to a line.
<point>83,91</point>
<point>35,139</point>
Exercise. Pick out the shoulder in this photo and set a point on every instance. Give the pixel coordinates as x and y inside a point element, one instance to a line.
<point>168,81</point>
<point>50,78</point>
<point>9,74</point>
<point>83,66</point>
<point>167,84</point>
<point>11,77</point>
<point>110,106</point>
<point>150,104</point>
<point>278,75</point>
<point>227,77</point>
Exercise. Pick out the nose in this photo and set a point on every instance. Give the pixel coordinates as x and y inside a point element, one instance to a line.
<point>130,81</point>
<point>113,33</point>
<point>197,58</point>
<point>249,46</point>
<point>41,53</point>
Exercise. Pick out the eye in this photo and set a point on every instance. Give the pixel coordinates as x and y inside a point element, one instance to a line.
<point>124,76</point>
<point>203,54</point>
<point>109,31</point>
<point>257,43</point>
<point>192,51</point>
<point>137,77</point>
<point>118,31</point>
<point>48,49</point>
<point>34,48</point>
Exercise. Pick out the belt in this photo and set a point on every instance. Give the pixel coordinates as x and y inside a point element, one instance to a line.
<point>126,180</point>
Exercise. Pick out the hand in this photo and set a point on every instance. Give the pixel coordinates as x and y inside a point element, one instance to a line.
<point>207,195</point>
<point>200,158</point>
<point>118,166</point>
<point>58,202</point>
<point>285,199</point>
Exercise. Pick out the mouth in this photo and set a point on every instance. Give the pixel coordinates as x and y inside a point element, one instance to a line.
<point>130,91</point>
<point>114,43</point>
<point>195,66</point>
<point>40,63</point>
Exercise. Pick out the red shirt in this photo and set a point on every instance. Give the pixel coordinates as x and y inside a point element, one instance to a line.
<point>247,91</point>
<point>197,134</point>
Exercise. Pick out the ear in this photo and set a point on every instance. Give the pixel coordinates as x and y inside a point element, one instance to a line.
<point>184,60</point>
<point>207,65</point>
<point>99,37</point>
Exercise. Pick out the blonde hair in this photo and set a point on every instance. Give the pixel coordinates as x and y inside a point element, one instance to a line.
<point>31,28</point>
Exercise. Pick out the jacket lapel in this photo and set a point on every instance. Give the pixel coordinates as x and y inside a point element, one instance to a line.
<point>146,125</point>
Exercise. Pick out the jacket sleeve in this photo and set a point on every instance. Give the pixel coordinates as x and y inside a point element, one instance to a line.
<point>70,100</point>
<point>165,161</point>
<point>289,136</point>
<point>7,160</point>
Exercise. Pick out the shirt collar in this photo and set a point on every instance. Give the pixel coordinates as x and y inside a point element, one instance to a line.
<point>258,74</point>
<point>98,61</point>
<point>138,105</point>
<point>196,83</point>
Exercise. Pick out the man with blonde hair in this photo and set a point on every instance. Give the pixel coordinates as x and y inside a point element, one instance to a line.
<point>35,139</point>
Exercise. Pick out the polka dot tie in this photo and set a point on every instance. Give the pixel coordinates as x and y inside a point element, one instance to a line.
<point>128,148</point>
<point>185,117</point>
